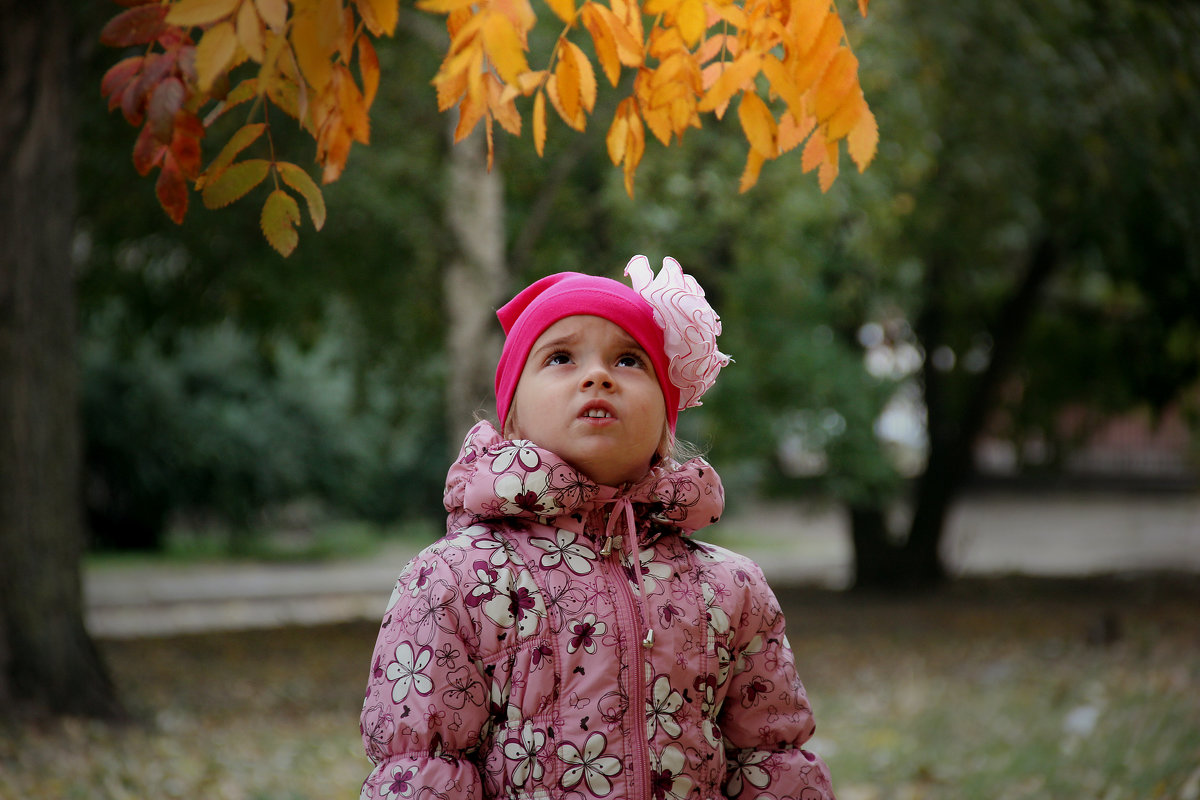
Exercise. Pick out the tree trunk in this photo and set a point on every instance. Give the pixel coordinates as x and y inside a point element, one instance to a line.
<point>474,282</point>
<point>47,660</point>
<point>915,561</point>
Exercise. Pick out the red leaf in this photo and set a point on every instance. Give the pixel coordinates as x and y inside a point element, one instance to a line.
<point>164,104</point>
<point>172,190</point>
<point>147,151</point>
<point>185,148</point>
<point>117,78</point>
<point>138,25</point>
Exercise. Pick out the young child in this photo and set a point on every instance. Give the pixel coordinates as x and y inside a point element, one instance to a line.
<point>567,638</point>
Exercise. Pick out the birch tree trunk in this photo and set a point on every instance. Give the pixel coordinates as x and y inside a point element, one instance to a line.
<point>47,660</point>
<point>475,283</point>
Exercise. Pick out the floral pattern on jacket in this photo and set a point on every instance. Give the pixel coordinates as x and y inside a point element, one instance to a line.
<point>570,640</point>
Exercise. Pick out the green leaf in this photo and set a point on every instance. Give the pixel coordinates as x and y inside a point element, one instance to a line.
<point>233,183</point>
<point>280,216</point>
<point>300,180</point>
<point>243,138</point>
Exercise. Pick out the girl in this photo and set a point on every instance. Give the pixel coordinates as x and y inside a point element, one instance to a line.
<point>567,638</point>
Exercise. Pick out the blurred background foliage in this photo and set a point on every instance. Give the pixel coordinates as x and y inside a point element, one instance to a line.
<point>873,327</point>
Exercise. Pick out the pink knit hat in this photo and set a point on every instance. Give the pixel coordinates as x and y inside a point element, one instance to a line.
<point>567,294</point>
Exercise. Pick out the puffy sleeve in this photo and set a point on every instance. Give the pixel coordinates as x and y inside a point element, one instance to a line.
<point>425,705</point>
<point>766,718</point>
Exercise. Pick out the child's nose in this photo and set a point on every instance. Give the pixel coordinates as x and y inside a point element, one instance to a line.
<point>597,375</point>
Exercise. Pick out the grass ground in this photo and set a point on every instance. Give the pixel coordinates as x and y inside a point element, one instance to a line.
<point>987,689</point>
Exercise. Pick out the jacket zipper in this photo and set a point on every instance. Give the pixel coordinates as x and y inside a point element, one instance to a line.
<point>637,699</point>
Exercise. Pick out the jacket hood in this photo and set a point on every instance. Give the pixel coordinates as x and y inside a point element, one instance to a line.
<point>496,478</point>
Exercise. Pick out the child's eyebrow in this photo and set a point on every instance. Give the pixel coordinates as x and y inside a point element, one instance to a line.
<point>555,344</point>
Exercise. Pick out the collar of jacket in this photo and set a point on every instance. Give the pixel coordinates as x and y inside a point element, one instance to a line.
<point>494,478</point>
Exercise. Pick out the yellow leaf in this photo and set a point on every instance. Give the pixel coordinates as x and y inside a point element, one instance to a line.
<point>233,182</point>
<point>444,6</point>
<point>604,41</point>
<point>617,138</point>
<point>563,9</point>
<point>758,124</point>
<point>863,139</point>
<point>658,120</point>
<point>250,32</point>
<point>200,12</point>
<point>690,19</point>
<point>519,12</point>
<point>731,80</point>
<point>539,123</point>
<point>470,110</point>
<point>806,68</point>
<point>351,105</point>
<point>805,19</point>
<point>315,33</point>
<point>368,67</point>
<point>299,180</point>
<point>579,121</point>
<point>214,53</point>
<point>503,46</point>
<point>782,83</point>
<point>835,82</point>
<point>587,77</point>
<point>280,216</point>
<point>754,163</point>
<point>273,12</point>
<point>380,16</point>
<point>734,15</point>
<point>567,73</point>
<point>862,7</point>
<point>634,148</point>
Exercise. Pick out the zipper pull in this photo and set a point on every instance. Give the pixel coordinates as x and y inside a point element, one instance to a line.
<point>606,550</point>
<point>648,642</point>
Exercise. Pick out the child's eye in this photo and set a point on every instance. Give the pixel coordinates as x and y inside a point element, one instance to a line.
<point>630,360</point>
<point>558,358</point>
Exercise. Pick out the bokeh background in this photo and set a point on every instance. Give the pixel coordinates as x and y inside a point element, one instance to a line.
<point>961,425</point>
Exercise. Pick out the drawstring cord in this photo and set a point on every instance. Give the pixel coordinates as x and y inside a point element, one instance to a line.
<point>623,508</point>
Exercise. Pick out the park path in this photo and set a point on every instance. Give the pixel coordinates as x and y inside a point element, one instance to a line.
<point>988,534</point>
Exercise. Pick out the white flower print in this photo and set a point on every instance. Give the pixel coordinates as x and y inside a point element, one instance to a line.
<point>653,572</point>
<point>401,783</point>
<point>407,671</point>
<point>747,767</point>
<point>517,603</point>
<point>500,552</point>
<point>718,620</point>
<point>666,780</point>
<point>661,707</point>
<point>565,547</point>
<point>590,766</point>
<point>525,753</point>
<point>521,452</point>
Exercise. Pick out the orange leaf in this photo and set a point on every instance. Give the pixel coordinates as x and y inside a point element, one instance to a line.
<point>200,12</point>
<point>185,147</point>
<point>805,19</point>
<point>368,67</point>
<point>604,41</point>
<point>446,6</point>
<point>792,131</point>
<point>503,46</point>
<point>628,14</point>
<point>470,111</point>
<point>587,77</point>
<point>165,102</point>
<point>380,16</point>
<point>539,123</point>
<point>273,12</point>
<point>835,82</point>
<point>829,168</point>
<point>280,216</point>
<point>782,84</point>
<point>250,32</point>
<point>302,182</point>
<point>863,139</point>
<point>634,149</point>
<point>172,191</point>
<point>846,116</point>
<point>316,30</point>
<point>732,79</point>
<point>214,54</point>
<point>617,138</point>
<point>814,151</point>
<point>569,80</point>
<point>503,109</point>
<point>352,105</point>
<point>579,121</point>
<point>862,7</point>
<point>148,150</point>
<point>754,163</point>
<point>808,67</point>
<point>134,26</point>
<point>234,182</point>
<point>759,125</point>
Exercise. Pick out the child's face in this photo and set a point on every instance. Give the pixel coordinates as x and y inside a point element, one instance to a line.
<point>588,393</point>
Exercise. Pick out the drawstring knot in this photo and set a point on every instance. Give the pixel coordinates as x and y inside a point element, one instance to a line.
<point>623,509</point>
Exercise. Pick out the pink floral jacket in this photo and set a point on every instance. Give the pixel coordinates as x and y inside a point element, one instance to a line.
<point>568,640</point>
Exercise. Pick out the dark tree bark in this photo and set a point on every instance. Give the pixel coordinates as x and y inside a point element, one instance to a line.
<point>884,561</point>
<point>47,660</point>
